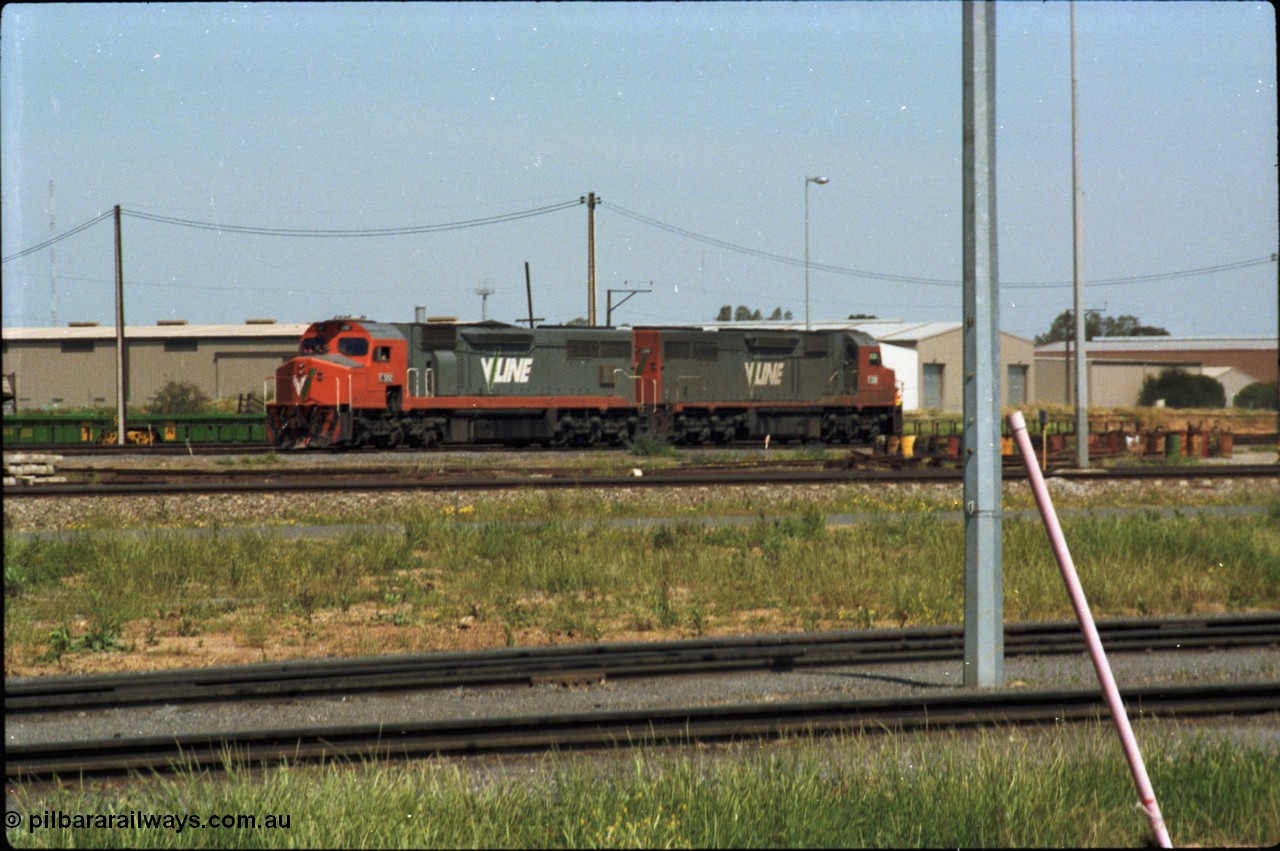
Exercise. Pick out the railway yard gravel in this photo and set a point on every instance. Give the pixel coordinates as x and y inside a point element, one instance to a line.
<point>253,510</point>
<point>855,682</point>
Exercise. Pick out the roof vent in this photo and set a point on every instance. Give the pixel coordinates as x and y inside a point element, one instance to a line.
<point>82,324</point>
<point>171,322</point>
<point>259,322</point>
<point>442,320</point>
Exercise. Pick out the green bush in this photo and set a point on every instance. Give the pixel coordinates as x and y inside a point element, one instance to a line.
<point>1258,396</point>
<point>1181,389</point>
<point>178,397</point>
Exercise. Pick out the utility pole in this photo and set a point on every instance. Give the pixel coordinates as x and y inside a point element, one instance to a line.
<point>608,314</point>
<point>983,580</point>
<point>121,374</point>
<point>591,200</point>
<point>528,294</point>
<point>1077,206</point>
<point>53,263</point>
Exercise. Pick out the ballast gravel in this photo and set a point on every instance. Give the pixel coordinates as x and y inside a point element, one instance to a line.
<point>860,682</point>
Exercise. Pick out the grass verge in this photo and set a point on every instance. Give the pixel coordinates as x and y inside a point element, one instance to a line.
<point>1065,787</point>
<point>170,600</point>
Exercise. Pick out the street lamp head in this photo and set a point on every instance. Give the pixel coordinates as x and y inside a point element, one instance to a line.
<point>818,180</point>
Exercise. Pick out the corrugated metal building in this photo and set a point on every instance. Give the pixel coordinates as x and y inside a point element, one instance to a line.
<point>1117,366</point>
<point>75,366</point>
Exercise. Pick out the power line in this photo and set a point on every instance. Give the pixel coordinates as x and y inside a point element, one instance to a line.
<point>304,232</point>
<point>55,239</point>
<point>350,232</point>
<point>652,222</point>
<point>911,279</point>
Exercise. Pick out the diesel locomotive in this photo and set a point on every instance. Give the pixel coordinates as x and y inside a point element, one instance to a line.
<point>355,383</point>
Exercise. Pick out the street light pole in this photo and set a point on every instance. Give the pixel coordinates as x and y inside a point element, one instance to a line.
<point>820,181</point>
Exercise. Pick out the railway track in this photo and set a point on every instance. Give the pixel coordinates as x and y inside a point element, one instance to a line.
<point>80,760</point>
<point>596,662</point>
<point>146,482</point>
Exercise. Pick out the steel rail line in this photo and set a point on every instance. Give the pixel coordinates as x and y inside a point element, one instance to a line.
<point>250,448</point>
<point>283,481</point>
<point>199,752</point>
<point>595,662</point>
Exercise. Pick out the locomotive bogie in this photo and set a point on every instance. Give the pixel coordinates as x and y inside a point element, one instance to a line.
<point>356,383</point>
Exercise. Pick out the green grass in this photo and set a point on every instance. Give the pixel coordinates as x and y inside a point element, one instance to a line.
<point>536,582</point>
<point>1065,787</point>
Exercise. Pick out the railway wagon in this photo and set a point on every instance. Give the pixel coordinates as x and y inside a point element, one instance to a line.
<point>71,429</point>
<point>355,382</point>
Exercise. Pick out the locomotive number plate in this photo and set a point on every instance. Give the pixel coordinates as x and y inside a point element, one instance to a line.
<point>385,377</point>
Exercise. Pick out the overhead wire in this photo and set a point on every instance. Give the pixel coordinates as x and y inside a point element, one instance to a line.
<point>56,239</point>
<point>913,279</point>
<point>631,214</point>
<point>351,232</point>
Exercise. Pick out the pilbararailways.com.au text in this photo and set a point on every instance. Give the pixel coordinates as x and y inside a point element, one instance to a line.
<point>139,820</point>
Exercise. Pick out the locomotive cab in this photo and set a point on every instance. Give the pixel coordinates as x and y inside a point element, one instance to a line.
<point>343,367</point>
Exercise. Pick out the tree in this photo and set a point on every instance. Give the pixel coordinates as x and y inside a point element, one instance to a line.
<point>178,397</point>
<point>1180,389</point>
<point>863,316</point>
<point>745,314</point>
<point>1096,325</point>
<point>1258,396</point>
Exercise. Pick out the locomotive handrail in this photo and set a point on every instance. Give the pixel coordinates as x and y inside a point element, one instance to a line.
<point>632,377</point>
<point>640,378</point>
<point>418,377</point>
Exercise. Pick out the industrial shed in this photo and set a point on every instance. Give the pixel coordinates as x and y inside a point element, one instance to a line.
<point>929,359</point>
<point>75,367</point>
<point>1117,366</point>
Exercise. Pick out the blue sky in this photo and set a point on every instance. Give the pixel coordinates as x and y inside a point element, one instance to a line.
<point>703,117</point>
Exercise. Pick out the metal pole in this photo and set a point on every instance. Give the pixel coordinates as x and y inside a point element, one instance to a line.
<point>591,259</point>
<point>983,582</point>
<point>1077,206</point>
<point>528,293</point>
<point>120,367</point>
<point>1146,795</point>
<point>53,263</point>
<point>820,181</point>
<point>806,253</point>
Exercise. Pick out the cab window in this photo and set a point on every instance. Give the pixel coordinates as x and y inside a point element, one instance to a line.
<point>353,347</point>
<point>312,345</point>
<point>381,354</point>
<point>873,358</point>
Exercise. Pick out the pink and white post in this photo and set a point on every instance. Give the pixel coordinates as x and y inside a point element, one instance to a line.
<point>1146,794</point>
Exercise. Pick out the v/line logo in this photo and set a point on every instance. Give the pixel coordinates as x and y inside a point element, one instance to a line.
<point>764,373</point>
<point>500,370</point>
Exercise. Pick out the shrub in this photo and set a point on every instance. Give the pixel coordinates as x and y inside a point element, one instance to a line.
<point>1181,389</point>
<point>1258,396</point>
<point>178,397</point>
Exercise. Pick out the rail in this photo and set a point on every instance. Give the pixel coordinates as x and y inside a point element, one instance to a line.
<point>79,760</point>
